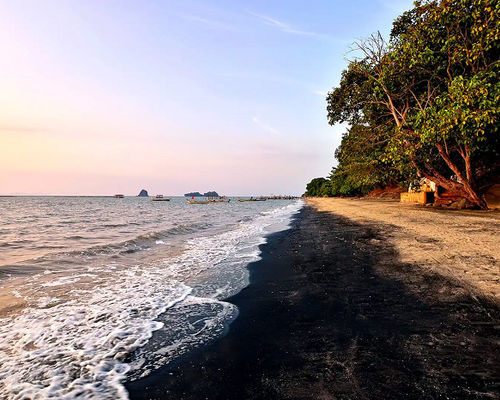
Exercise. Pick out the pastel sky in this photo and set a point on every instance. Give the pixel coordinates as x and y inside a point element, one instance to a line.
<point>102,97</point>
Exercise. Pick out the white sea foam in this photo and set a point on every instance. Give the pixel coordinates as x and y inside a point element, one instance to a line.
<point>74,348</point>
<point>65,280</point>
<point>216,268</point>
<point>83,332</point>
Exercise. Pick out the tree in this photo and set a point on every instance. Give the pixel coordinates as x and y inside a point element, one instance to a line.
<point>360,156</point>
<point>318,187</point>
<point>436,87</point>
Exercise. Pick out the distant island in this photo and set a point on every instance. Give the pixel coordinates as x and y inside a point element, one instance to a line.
<point>143,193</point>
<point>198,194</point>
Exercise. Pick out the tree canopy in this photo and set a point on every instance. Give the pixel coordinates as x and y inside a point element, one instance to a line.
<point>426,102</point>
<point>318,187</point>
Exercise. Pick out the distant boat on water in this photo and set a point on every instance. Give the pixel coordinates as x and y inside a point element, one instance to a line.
<point>254,199</point>
<point>210,199</point>
<point>159,197</point>
<point>219,200</point>
<point>280,197</point>
<point>119,196</point>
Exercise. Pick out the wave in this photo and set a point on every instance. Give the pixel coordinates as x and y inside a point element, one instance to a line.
<point>218,269</point>
<point>15,243</point>
<point>75,349</point>
<point>118,320</point>
<point>129,246</point>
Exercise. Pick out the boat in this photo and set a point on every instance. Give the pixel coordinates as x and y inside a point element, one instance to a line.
<point>119,196</point>
<point>159,197</point>
<point>219,200</point>
<point>253,199</point>
<point>273,197</point>
<point>199,201</point>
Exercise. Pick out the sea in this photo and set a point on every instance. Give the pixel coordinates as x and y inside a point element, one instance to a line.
<point>97,291</point>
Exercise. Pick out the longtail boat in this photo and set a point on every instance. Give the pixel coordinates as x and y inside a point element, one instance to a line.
<point>199,202</point>
<point>253,199</point>
<point>159,197</point>
<point>219,200</point>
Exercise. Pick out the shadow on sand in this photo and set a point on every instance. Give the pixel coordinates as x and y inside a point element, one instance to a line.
<point>331,313</point>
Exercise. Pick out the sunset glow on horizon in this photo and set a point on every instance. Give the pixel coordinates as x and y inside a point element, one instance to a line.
<point>112,97</point>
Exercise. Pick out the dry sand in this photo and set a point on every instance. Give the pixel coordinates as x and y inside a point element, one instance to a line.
<point>462,245</point>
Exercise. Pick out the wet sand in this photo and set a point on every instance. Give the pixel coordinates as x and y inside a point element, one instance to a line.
<point>336,309</point>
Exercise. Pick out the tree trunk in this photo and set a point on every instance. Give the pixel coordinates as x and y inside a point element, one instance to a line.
<point>472,194</point>
<point>468,168</point>
<point>427,171</point>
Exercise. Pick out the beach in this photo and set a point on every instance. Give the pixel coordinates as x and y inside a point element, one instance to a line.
<point>225,200</point>
<point>359,299</point>
<point>461,245</point>
<point>97,290</point>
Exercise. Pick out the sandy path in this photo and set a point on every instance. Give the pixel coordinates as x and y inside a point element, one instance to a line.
<point>463,245</point>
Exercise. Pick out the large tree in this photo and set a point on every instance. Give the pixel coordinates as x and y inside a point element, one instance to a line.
<point>361,165</point>
<point>318,187</point>
<point>436,86</point>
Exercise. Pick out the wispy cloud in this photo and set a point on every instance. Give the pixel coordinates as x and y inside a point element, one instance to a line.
<point>287,28</point>
<point>282,26</point>
<point>256,120</point>
<point>211,23</point>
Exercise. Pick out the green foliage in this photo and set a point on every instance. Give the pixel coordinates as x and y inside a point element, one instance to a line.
<point>427,103</point>
<point>318,187</point>
<point>343,184</point>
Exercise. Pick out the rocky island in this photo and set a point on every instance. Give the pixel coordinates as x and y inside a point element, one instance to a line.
<point>198,194</point>
<point>143,193</point>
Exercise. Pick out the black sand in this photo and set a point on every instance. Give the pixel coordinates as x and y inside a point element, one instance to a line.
<point>331,313</point>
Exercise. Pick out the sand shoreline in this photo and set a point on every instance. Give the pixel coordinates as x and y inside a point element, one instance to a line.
<point>462,245</point>
<point>333,311</point>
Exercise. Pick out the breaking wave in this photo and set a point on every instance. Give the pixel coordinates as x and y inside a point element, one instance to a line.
<point>82,333</point>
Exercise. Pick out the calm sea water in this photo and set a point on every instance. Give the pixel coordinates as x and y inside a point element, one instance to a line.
<point>95,290</point>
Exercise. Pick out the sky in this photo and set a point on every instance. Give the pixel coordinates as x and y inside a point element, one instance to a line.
<point>101,97</point>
